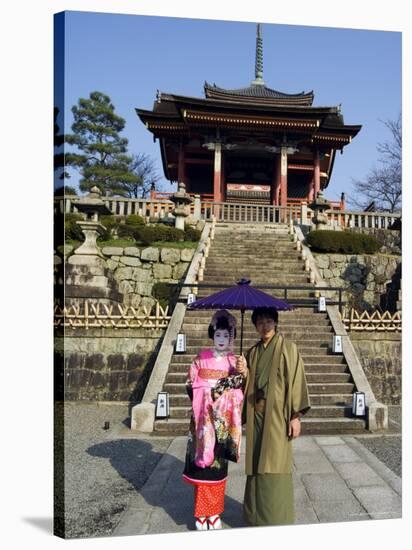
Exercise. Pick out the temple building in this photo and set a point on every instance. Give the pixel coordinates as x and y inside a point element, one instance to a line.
<point>253,144</point>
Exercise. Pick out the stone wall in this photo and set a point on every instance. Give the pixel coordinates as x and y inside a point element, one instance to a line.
<point>369,280</point>
<point>137,270</point>
<point>381,358</point>
<point>105,365</point>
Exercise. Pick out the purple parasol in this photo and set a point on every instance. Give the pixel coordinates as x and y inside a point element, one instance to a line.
<point>242,296</point>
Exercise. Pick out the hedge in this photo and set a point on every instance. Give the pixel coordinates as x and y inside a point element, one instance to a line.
<point>192,234</point>
<point>151,233</point>
<point>343,242</point>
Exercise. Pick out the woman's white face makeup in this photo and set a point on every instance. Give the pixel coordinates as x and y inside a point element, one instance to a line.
<point>221,339</point>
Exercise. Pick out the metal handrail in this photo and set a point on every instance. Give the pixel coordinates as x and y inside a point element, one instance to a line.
<point>293,301</point>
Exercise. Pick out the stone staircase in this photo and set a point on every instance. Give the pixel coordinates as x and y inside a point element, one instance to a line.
<point>267,256</point>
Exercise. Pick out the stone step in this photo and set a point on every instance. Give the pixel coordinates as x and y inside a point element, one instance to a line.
<point>328,399</point>
<point>231,270</point>
<point>297,314</point>
<point>310,426</point>
<point>273,258</point>
<point>193,343</point>
<point>312,357</point>
<point>311,377</point>
<point>249,331</point>
<point>177,388</point>
<point>319,411</point>
<point>332,426</point>
<point>231,266</point>
<point>322,368</point>
<point>318,359</point>
<point>302,295</point>
<point>283,323</point>
<point>259,278</point>
<point>320,399</point>
<point>272,251</point>
<point>268,262</point>
<point>333,387</point>
<point>201,326</point>
<point>316,411</point>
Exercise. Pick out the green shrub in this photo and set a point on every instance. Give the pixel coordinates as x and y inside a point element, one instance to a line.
<point>131,226</point>
<point>192,234</point>
<point>174,235</point>
<point>110,225</point>
<point>134,219</point>
<point>125,231</point>
<point>145,234</point>
<point>165,294</point>
<point>72,230</point>
<point>150,233</point>
<point>342,242</point>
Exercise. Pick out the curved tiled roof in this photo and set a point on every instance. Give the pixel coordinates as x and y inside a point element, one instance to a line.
<point>258,92</point>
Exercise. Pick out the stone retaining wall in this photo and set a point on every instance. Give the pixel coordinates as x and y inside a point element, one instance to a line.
<point>137,270</point>
<point>370,280</point>
<point>106,366</point>
<point>381,358</point>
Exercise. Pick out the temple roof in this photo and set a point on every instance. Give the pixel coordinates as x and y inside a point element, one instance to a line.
<point>258,92</point>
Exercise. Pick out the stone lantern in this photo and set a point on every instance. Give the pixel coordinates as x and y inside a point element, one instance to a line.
<point>181,211</point>
<point>92,205</point>
<point>320,205</point>
<point>86,274</point>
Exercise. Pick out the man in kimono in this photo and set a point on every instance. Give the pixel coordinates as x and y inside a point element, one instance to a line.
<point>276,396</point>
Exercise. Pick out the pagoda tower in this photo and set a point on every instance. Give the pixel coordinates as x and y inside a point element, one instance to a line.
<point>248,145</point>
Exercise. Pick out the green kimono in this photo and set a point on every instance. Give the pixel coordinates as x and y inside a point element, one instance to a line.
<point>277,374</point>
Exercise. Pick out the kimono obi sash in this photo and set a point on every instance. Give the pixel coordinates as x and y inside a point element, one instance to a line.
<point>215,374</point>
<point>210,368</point>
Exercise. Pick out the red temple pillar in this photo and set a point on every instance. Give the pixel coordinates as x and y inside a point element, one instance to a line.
<point>311,192</point>
<point>217,175</point>
<point>283,174</point>
<point>316,174</point>
<point>181,167</point>
<point>274,189</point>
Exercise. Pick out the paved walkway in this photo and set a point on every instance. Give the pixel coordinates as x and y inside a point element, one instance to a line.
<point>335,479</point>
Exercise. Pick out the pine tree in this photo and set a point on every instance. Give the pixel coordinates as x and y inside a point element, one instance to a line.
<point>103,160</point>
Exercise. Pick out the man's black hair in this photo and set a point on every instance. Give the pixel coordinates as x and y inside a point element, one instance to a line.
<point>221,324</point>
<point>266,313</point>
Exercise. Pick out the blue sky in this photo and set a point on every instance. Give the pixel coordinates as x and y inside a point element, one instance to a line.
<point>129,57</point>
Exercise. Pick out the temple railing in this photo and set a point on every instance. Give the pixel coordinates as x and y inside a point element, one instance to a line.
<point>121,206</point>
<point>248,213</point>
<point>235,212</point>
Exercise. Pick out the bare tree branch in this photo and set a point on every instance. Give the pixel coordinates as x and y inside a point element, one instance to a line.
<point>383,183</point>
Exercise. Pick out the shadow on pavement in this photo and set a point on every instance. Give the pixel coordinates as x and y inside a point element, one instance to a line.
<point>159,483</point>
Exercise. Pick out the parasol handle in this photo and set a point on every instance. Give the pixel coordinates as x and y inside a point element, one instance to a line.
<point>242,313</point>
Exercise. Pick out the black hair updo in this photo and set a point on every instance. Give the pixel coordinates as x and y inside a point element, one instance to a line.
<point>221,324</point>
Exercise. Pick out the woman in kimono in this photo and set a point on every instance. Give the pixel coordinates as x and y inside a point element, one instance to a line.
<point>276,396</point>
<point>215,389</point>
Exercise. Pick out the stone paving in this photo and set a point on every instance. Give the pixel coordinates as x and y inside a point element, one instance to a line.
<point>335,479</point>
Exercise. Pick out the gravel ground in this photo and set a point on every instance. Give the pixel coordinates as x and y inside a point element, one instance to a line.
<point>388,448</point>
<point>102,470</point>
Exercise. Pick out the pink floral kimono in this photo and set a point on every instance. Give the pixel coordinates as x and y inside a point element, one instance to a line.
<point>216,427</point>
<point>215,420</point>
